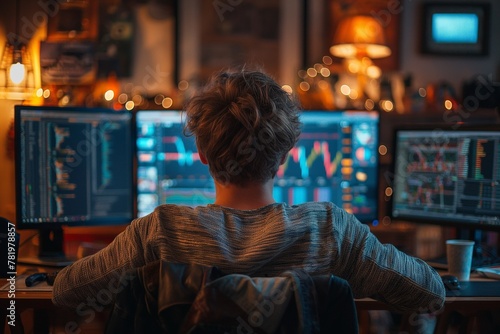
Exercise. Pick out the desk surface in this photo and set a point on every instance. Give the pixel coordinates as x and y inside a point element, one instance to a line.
<point>478,290</point>
<point>456,298</point>
<point>41,300</point>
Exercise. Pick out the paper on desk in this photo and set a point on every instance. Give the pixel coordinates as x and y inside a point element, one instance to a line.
<point>21,285</point>
<point>491,272</point>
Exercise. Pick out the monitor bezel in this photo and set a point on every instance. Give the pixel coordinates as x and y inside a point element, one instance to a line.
<point>437,221</point>
<point>94,222</point>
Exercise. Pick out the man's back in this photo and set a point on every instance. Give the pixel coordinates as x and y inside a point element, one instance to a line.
<point>319,237</point>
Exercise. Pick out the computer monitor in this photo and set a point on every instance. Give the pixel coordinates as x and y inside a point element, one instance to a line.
<point>169,170</point>
<point>448,176</point>
<point>74,167</point>
<point>335,159</point>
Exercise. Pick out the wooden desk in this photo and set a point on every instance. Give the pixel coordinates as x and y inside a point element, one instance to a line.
<point>470,308</point>
<point>41,302</point>
<point>37,300</point>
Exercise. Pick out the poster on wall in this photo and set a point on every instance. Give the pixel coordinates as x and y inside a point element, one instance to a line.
<point>249,34</point>
<point>116,40</point>
<point>67,63</point>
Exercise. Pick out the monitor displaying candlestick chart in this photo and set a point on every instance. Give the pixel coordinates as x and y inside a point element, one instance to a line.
<point>169,170</point>
<point>449,176</point>
<point>335,159</point>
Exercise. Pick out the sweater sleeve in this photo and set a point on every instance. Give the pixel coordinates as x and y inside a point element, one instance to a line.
<point>94,281</point>
<point>382,272</point>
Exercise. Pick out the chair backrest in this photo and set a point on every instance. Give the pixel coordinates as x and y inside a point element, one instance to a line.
<point>179,298</point>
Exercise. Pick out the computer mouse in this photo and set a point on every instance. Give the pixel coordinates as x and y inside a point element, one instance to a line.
<point>35,278</point>
<point>451,282</point>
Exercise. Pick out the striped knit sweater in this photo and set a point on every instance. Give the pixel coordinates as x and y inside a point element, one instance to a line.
<point>320,237</point>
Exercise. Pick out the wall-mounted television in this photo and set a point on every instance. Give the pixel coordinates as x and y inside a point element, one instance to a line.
<point>455,28</point>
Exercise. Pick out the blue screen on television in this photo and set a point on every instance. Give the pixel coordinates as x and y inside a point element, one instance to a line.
<point>455,28</point>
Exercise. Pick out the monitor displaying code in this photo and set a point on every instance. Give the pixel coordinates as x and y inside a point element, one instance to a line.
<point>74,166</point>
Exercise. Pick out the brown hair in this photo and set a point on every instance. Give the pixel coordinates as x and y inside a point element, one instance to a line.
<point>244,123</point>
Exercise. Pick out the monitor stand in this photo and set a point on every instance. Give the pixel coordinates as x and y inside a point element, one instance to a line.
<point>51,250</point>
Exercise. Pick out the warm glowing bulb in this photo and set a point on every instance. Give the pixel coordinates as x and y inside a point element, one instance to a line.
<point>159,99</point>
<point>304,86</point>
<point>312,72</point>
<point>373,72</point>
<point>64,101</point>
<point>129,105</point>
<point>327,60</point>
<point>183,85</point>
<point>17,72</point>
<point>137,99</point>
<point>122,98</point>
<point>344,89</point>
<point>448,104</point>
<point>382,149</point>
<point>369,104</point>
<point>387,105</point>
<point>167,102</point>
<point>287,89</point>
<point>109,95</point>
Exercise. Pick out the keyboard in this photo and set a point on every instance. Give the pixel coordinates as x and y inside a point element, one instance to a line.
<point>477,262</point>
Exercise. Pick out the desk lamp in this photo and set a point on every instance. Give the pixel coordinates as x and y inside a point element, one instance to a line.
<point>359,39</point>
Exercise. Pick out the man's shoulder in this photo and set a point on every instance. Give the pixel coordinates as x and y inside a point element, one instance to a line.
<point>326,211</point>
<point>174,208</point>
<point>317,207</point>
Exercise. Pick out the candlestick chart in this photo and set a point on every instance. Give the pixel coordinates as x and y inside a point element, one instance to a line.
<point>334,160</point>
<point>456,175</point>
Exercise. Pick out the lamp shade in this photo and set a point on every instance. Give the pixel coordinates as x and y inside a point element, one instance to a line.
<point>359,36</point>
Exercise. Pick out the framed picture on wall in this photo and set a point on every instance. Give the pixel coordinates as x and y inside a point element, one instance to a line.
<point>67,63</point>
<point>264,34</point>
<point>247,35</point>
<point>74,20</point>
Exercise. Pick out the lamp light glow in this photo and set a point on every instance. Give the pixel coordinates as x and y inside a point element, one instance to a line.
<point>358,36</point>
<point>17,73</point>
